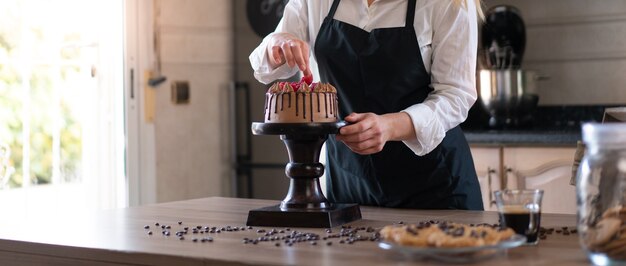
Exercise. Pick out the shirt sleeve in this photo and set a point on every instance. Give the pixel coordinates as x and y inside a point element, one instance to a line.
<point>453,77</point>
<point>294,21</point>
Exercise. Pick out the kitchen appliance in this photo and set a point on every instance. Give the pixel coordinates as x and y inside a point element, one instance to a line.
<point>508,95</point>
<point>503,38</point>
<point>506,92</point>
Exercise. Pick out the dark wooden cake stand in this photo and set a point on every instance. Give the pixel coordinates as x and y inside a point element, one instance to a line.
<point>305,205</point>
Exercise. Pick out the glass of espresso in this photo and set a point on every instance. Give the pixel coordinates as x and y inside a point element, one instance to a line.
<point>520,210</point>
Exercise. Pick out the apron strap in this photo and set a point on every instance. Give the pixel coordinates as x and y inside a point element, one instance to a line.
<point>410,14</point>
<point>333,8</point>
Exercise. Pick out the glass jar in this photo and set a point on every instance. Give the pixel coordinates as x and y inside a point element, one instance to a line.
<point>601,191</point>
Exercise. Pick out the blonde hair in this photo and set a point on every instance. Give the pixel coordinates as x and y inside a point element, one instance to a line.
<point>478,4</point>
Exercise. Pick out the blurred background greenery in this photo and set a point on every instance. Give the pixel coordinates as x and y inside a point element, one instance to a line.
<point>36,64</point>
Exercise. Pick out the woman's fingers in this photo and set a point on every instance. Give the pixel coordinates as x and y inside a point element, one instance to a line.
<point>307,72</point>
<point>286,48</point>
<point>288,54</point>
<point>305,53</point>
<point>358,123</point>
<point>369,146</point>
<point>276,55</point>
<point>298,56</point>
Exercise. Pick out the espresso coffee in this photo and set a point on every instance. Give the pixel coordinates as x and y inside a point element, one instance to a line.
<point>523,221</point>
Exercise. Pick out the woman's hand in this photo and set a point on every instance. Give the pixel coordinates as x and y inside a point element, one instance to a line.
<point>287,48</point>
<point>368,132</point>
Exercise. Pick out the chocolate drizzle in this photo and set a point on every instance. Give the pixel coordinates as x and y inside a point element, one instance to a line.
<point>289,94</point>
<point>335,102</point>
<point>282,101</point>
<point>311,105</point>
<point>269,106</point>
<point>326,103</point>
<point>318,103</point>
<point>303,105</point>
<point>297,104</point>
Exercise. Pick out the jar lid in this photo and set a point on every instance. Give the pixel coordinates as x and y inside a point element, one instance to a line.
<point>611,133</point>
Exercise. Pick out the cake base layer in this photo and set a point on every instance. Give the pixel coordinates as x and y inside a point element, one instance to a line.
<point>300,107</point>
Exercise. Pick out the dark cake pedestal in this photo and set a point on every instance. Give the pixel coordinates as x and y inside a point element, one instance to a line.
<point>305,205</point>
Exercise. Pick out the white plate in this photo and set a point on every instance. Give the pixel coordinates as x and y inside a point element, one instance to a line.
<point>455,255</point>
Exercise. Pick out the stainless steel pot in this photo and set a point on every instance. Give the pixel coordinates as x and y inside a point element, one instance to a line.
<point>509,96</point>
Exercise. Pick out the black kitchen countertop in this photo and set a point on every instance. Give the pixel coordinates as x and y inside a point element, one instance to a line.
<point>509,137</point>
<point>547,126</point>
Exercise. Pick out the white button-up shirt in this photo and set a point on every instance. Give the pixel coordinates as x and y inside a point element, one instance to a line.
<point>447,37</point>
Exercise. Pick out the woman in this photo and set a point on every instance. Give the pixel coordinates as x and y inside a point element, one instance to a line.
<point>405,75</point>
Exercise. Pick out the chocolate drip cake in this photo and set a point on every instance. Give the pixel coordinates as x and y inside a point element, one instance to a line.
<point>299,102</point>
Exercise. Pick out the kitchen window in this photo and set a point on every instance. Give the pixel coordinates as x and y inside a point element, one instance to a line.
<point>61,106</point>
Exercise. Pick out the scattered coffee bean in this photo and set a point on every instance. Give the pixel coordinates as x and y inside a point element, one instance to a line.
<point>156,224</point>
<point>278,236</point>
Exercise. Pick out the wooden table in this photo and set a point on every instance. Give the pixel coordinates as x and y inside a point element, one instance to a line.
<point>118,237</point>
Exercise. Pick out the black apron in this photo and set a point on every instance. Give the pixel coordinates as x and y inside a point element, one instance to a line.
<point>382,72</point>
